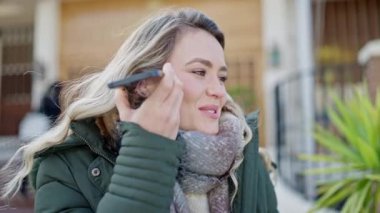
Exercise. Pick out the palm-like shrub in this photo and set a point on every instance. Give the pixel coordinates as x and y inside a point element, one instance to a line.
<point>354,151</point>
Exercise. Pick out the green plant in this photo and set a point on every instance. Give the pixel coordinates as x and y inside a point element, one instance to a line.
<point>353,151</point>
<point>244,96</point>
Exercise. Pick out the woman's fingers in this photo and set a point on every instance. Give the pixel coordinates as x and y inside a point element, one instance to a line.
<point>122,104</point>
<point>171,109</point>
<point>160,112</point>
<point>176,96</point>
<point>165,86</point>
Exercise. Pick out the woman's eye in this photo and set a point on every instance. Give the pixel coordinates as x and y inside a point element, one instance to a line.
<point>199,72</point>
<point>223,78</point>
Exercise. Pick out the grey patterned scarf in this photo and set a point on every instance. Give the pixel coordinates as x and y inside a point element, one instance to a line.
<point>206,164</point>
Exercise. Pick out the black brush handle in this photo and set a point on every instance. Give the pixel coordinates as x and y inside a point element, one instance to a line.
<point>135,78</point>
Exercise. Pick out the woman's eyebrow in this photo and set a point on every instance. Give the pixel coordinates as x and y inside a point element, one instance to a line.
<point>223,68</point>
<point>205,62</point>
<point>200,60</point>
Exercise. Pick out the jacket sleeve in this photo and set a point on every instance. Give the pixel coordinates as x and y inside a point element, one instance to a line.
<point>142,181</point>
<point>144,174</point>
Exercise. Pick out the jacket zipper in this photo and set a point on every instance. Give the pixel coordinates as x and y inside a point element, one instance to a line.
<point>98,153</point>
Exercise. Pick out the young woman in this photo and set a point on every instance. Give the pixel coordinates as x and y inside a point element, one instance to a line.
<point>172,144</point>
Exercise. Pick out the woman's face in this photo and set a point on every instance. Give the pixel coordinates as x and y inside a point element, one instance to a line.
<point>198,60</point>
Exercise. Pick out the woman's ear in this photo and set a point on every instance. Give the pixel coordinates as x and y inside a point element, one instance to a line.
<point>146,87</point>
<point>142,89</point>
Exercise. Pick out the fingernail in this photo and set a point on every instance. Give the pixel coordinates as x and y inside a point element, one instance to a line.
<point>167,67</point>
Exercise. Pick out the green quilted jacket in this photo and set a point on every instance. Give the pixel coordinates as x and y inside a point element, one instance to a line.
<point>81,176</point>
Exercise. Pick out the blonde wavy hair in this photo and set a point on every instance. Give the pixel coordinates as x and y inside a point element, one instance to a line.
<point>149,46</point>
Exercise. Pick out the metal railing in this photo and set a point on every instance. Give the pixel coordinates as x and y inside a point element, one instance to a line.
<point>289,107</point>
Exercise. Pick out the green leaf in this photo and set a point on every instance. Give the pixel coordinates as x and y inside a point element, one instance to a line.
<point>364,113</point>
<point>375,199</point>
<point>373,177</point>
<point>324,186</point>
<point>356,201</point>
<point>363,127</point>
<point>318,158</point>
<point>375,137</point>
<point>354,148</point>
<point>377,132</point>
<point>334,194</point>
<point>369,155</point>
<point>367,130</point>
<point>333,170</point>
<point>362,194</point>
<point>377,101</point>
<point>346,130</point>
<point>334,144</point>
<point>350,203</point>
<point>344,112</point>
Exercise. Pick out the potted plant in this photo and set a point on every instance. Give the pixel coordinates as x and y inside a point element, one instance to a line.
<point>244,96</point>
<point>353,149</point>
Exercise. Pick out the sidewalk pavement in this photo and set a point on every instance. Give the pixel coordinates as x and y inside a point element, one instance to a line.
<point>290,201</point>
<point>19,204</point>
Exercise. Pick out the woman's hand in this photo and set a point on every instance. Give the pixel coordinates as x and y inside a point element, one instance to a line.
<point>160,112</point>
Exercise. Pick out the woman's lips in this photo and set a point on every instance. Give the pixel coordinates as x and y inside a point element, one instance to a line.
<point>211,111</point>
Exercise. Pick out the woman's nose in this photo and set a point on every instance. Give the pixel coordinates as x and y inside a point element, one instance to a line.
<point>216,88</point>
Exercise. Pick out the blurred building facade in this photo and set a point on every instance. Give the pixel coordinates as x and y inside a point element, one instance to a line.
<point>340,28</point>
<point>16,59</point>
<point>70,38</point>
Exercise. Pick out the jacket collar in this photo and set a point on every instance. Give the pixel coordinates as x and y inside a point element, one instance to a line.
<point>89,134</point>
<point>85,133</point>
